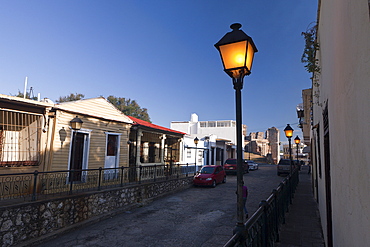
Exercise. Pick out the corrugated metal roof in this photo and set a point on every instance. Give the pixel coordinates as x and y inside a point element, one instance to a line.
<point>96,107</point>
<point>153,126</point>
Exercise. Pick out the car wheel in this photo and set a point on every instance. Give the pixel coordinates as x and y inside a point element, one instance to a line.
<point>214,183</point>
<point>224,180</point>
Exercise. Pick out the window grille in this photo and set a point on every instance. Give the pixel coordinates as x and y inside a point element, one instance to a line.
<point>20,134</point>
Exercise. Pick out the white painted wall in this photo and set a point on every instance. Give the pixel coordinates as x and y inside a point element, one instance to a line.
<point>192,127</point>
<point>344,38</point>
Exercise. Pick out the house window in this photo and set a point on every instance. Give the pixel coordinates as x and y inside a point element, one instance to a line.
<point>112,145</point>
<point>203,124</point>
<point>223,124</point>
<point>188,153</point>
<point>19,138</point>
<point>211,124</point>
<point>318,158</point>
<point>150,152</point>
<point>150,148</point>
<point>172,150</point>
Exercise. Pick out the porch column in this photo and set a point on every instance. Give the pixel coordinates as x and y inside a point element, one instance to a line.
<point>138,146</point>
<point>163,141</point>
<point>181,151</point>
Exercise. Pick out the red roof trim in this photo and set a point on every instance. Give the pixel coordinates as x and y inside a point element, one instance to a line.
<point>153,126</point>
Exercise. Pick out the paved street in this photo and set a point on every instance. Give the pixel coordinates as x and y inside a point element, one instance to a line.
<point>194,217</point>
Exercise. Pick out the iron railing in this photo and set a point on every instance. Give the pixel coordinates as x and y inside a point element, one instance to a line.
<point>262,228</point>
<point>36,185</point>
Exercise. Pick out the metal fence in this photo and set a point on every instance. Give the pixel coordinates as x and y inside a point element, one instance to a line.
<point>262,228</point>
<point>36,185</point>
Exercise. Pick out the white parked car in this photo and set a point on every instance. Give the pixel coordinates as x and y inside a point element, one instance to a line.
<point>252,165</point>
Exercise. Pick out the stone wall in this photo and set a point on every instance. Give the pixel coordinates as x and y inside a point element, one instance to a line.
<point>23,222</point>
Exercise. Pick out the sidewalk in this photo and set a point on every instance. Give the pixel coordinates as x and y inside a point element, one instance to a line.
<point>302,223</point>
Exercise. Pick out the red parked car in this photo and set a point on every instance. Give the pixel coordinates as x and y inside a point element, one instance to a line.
<point>210,176</point>
<point>230,166</point>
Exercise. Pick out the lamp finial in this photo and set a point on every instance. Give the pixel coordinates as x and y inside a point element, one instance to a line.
<point>235,26</point>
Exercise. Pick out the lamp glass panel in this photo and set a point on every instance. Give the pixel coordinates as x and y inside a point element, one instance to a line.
<point>233,55</point>
<point>288,133</point>
<point>250,56</point>
<point>76,125</point>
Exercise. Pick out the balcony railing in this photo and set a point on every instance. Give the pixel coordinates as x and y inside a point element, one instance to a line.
<point>36,185</point>
<point>262,229</point>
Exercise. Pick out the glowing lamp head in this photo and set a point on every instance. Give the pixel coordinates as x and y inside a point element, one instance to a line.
<point>297,140</point>
<point>237,52</point>
<point>288,131</point>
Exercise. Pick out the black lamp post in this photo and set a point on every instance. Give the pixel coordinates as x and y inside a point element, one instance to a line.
<point>76,124</point>
<point>237,52</point>
<point>297,140</point>
<point>196,140</point>
<point>289,133</point>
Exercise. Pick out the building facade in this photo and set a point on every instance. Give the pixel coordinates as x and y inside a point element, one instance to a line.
<point>217,138</point>
<point>264,143</point>
<point>340,154</point>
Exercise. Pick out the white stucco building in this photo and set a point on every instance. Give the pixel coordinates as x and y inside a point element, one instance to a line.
<point>340,154</point>
<point>216,138</point>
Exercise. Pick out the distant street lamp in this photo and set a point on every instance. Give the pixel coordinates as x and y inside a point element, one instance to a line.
<point>297,140</point>
<point>289,133</point>
<point>237,50</point>
<point>196,140</point>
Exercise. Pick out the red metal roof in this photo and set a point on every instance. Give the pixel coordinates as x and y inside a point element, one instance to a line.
<point>153,126</point>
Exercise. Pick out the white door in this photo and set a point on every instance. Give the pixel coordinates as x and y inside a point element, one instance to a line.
<point>112,153</point>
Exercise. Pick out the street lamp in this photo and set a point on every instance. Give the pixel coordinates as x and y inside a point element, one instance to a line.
<point>196,140</point>
<point>297,140</point>
<point>76,124</point>
<point>289,133</point>
<point>237,50</point>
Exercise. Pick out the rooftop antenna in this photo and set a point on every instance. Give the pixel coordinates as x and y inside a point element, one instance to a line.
<point>25,88</point>
<point>31,93</point>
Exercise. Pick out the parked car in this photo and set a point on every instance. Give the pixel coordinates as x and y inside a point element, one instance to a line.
<point>283,166</point>
<point>210,176</point>
<point>252,165</point>
<point>230,166</point>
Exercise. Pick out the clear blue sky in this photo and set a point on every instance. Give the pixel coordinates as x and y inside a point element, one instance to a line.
<point>159,53</point>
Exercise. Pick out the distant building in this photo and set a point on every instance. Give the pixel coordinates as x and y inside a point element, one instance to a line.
<point>264,143</point>
<point>217,138</point>
<point>302,157</point>
<point>273,137</point>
